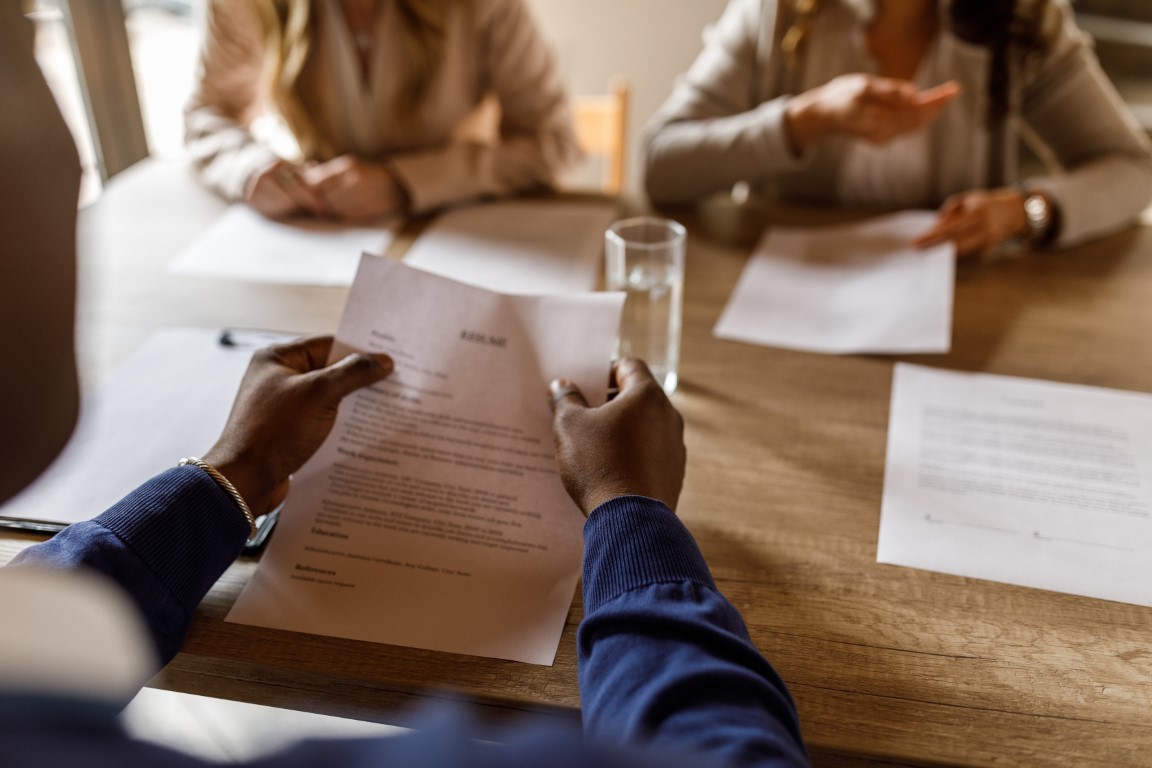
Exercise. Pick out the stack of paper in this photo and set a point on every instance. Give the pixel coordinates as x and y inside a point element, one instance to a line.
<point>854,288</point>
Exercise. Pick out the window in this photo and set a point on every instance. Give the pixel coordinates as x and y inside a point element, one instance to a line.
<point>140,60</point>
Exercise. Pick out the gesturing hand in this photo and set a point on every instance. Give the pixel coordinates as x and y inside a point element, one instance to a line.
<point>285,408</point>
<point>978,221</point>
<point>876,109</point>
<point>633,444</point>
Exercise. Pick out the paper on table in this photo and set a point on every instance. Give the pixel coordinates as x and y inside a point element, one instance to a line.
<point>844,289</point>
<point>243,245</point>
<point>170,399</point>
<point>1026,482</point>
<point>540,247</point>
<point>433,516</point>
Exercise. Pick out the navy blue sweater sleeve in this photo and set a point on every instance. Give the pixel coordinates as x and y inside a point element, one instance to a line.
<point>666,665</point>
<point>165,544</point>
<point>665,660</point>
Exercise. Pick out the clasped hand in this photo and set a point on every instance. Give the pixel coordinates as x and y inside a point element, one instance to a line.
<point>345,188</point>
<point>289,398</point>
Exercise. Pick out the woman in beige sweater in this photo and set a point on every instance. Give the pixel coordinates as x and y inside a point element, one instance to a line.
<point>379,96</point>
<point>907,103</point>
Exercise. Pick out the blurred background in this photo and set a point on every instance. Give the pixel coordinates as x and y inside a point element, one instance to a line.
<point>648,42</point>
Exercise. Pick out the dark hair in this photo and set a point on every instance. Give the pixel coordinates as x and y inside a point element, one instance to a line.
<point>1011,30</point>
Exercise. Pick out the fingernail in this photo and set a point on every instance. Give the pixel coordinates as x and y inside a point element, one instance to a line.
<point>384,360</point>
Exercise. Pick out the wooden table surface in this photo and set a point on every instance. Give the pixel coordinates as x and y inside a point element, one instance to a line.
<point>889,665</point>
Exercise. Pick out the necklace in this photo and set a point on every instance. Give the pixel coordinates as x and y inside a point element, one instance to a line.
<point>361,20</point>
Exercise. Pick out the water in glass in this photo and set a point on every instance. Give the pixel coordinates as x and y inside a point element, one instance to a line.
<point>644,257</point>
<point>650,327</point>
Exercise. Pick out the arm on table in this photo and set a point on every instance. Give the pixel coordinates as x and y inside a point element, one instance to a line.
<point>225,99</point>
<point>167,542</point>
<point>1075,110</point>
<point>665,661</point>
<point>165,545</point>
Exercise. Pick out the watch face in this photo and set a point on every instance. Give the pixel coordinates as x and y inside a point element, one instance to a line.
<point>1036,209</point>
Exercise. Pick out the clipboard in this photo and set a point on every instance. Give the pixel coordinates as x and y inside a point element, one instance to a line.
<point>169,399</point>
<point>264,526</point>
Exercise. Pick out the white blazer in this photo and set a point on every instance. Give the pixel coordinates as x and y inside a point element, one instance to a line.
<point>724,122</point>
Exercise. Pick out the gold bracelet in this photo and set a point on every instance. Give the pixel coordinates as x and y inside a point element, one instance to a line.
<point>227,487</point>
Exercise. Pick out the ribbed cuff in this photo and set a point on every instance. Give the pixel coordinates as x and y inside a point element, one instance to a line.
<point>778,154</point>
<point>227,160</point>
<point>633,542</point>
<point>183,527</point>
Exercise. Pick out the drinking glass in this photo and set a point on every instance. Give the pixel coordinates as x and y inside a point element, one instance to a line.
<point>644,257</point>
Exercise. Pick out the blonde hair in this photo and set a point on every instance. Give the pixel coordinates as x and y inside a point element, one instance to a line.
<point>289,27</point>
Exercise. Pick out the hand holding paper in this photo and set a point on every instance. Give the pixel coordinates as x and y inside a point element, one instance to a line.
<point>633,445</point>
<point>285,408</point>
<point>434,516</point>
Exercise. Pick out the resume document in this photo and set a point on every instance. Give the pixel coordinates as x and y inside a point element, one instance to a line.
<point>434,516</point>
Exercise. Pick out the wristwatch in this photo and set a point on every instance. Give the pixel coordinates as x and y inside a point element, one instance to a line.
<point>1039,215</point>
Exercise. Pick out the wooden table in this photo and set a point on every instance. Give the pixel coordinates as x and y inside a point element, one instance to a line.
<point>889,665</point>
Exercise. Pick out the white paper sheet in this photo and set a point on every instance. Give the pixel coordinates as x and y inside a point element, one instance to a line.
<point>1026,482</point>
<point>169,400</point>
<point>524,247</point>
<point>433,516</point>
<point>243,245</point>
<point>846,289</point>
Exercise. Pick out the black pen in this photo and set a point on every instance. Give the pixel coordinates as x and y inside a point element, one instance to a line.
<point>241,338</point>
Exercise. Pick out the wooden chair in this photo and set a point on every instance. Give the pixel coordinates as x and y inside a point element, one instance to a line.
<point>602,130</point>
<point>601,122</point>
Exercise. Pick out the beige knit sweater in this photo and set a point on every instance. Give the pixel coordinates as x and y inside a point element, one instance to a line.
<point>493,49</point>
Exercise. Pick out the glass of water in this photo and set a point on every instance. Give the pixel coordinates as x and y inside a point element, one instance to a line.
<point>644,257</point>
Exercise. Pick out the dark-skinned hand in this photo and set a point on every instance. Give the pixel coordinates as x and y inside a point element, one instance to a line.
<point>284,410</point>
<point>632,445</point>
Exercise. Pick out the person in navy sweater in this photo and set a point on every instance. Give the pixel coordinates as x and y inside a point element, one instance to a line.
<point>667,672</point>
